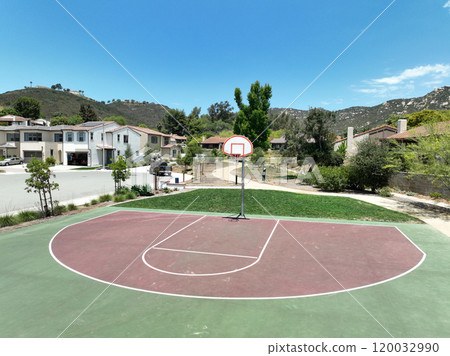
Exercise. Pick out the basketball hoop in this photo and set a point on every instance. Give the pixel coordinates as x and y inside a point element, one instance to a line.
<point>239,146</point>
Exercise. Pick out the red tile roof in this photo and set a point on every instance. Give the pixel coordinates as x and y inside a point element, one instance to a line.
<point>215,140</point>
<point>13,118</point>
<point>422,131</point>
<point>149,131</point>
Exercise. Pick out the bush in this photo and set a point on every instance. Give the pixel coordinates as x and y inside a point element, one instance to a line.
<point>72,207</point>
<point>166,190</point>
<point>123,190</point>
<point>335,178</point>
<point>258,153</point>
<point>385,192</point>
<point>59,209</point>
<point>436,195</point>
<point>142,190</point>
<point>86,204</point>
<point>94,202</point>
<point>370,166</point>
<point>7,220</point>
<point>24,216</point>
<point>130,195</point>
<point>104,198</point>
<point>118,198</point>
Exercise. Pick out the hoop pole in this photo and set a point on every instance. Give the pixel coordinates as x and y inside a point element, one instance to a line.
<point>242,215</point>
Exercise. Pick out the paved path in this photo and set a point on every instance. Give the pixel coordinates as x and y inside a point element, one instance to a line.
<point>434,214</point>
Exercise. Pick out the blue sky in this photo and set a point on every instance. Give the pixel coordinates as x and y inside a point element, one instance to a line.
<point>195,53</point>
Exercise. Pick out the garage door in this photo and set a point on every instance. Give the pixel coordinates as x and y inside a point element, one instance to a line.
<point>28,155</point>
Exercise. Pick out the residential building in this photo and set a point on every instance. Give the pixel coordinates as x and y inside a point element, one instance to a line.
<point>213,142</point>
<point>422,131</point>
<point>381,132</point>
<point>278,143</point>
<point>12,120</point>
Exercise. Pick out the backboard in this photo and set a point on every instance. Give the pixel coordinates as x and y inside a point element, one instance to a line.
<point>238,146</point>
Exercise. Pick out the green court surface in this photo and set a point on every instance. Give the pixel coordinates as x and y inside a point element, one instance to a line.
<point>40,298</point>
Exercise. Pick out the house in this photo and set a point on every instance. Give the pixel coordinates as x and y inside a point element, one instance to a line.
<point>381,132</point>
<point>168,146</point>
<point>214,142</point>
<point>421,131</point>
<point>11,120</point>
<point>277,143</point>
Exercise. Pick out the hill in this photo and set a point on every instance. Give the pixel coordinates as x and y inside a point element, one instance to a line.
<point>362,116</point>
<point>55,103</point>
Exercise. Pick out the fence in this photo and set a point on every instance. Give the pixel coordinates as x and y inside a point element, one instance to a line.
<point>419,183</point>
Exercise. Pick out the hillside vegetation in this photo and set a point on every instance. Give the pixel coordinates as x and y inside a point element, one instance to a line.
<point>61,103</point>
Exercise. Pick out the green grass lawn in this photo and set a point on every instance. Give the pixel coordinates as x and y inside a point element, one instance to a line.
<point>85,168</point>
<point>277,203</point>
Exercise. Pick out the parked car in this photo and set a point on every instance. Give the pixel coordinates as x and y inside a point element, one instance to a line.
<point>160,168</point>
<point>10,161</point>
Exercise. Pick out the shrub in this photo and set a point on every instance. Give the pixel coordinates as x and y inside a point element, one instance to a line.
<point>118,198</point>
<point>436,195</point>
<point>94,202</point>
<point>335,178</point>
<point>166,190</point>
<point>370,166</point>
<point>130,195</point>
<point>59,209</point>
<point>7,220</point>
<point>142,190</point>
<point>86,204</point>
<point>123,190</point>
<point>258,153</point>
<point>72,207</point>
<point>385,192</point>
<point>24,216</point>
<point>104,198</point>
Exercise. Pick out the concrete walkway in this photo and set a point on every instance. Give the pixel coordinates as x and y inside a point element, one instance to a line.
<point>430,212</point>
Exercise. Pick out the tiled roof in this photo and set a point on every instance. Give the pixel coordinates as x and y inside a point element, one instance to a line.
<point>178,137</point>
<point>280,140</point>
<point>215,140</point>
<point>422,131</point>
<point>149,131</point>
<point>13,118</point>
<point>372,131</point>
<point>122,128</point>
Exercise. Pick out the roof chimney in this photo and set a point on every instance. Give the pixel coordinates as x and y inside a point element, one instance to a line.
<point>350,142</point>
<point>401,125</point>
<point>203,138</point>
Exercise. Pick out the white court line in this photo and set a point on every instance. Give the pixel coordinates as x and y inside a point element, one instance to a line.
<point>203,253</point>
<point>216,273</point>
<point>230,298</point>
<point>176,232</point>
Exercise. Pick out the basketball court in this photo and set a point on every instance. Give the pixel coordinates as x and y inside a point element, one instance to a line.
<point>209,256</point>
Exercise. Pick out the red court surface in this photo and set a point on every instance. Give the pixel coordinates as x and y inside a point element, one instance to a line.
<point>217,257</point>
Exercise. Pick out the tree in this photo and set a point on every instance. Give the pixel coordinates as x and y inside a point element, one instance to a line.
<point>222,111</point>
<point>87,113</point>
<point>120,172</point>
<point>28,107</point>
<point>193,149</point>
<point>430,155</point>
<point>143,126</point>
<point>8,111</point>
<point>251,120</point>
<point>128,152</point>
<point>175,121</point>
<point>63,120</point>
<point>420,118</point>
<point>118,119</point>
<point>371,165</point>
<point>312,139</point>
<point>57,86</point>
<point>39,182</point>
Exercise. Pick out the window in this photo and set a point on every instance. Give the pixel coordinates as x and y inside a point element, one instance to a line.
<point>118,138</point>
<point>13,137</point>
<point>125,138</point>
<point>81,136</point>
<point>154,139</point>
<point>58,137</point>
<point>69,136</point>
<point>92,135</point>
<point>174,153</point>
<point>51,152</point>
<point>32,136</point>
<point>118,153</point>
<point>102,137</point>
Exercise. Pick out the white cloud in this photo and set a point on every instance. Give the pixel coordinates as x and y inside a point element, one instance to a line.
<point>447,5</point>
<point>436,71</point>
<point>404,83</point>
